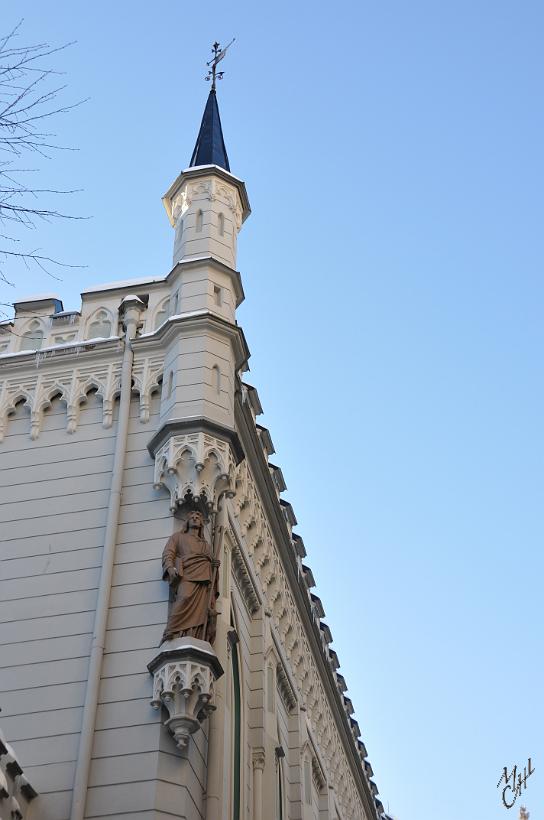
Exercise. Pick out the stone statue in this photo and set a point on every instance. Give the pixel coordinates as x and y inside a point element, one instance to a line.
<point>191,570</point>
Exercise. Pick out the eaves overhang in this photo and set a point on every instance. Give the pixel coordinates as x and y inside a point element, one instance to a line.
<point>255,454</point>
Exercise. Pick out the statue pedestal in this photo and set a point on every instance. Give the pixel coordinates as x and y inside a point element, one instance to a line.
<point>184,671</point>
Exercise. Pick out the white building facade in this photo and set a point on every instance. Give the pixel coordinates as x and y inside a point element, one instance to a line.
<point>114,420</point>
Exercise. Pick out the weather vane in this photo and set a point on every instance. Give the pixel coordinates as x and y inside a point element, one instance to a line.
<point>218,54</point>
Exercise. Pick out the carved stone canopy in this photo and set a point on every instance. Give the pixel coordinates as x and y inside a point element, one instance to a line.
<point>195,468</point>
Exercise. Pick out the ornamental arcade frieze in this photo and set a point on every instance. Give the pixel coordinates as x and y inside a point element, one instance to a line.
<point>71,380</point>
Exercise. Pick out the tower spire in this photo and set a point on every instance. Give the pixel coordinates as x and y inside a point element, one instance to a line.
<point>210,145</point>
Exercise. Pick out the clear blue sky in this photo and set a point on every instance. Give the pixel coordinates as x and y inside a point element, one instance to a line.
<point>393,154</point>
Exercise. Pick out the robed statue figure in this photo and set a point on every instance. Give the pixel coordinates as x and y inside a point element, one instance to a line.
<point>191,571</point>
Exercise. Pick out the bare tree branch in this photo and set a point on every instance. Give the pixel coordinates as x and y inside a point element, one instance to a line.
<point>29,97</point>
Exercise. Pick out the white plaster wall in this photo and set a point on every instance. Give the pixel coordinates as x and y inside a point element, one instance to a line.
<point>191,360</point>
<point>213,198</point>
<point>54,493</point>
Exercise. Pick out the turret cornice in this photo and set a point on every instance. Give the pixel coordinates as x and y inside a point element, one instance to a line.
<point>197,320</point>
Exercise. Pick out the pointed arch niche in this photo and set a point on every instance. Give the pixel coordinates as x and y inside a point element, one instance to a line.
<point>33,337</point>
<point>100,325</point>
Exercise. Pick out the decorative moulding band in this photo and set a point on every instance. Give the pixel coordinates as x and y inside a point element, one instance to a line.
<point>196,425</point>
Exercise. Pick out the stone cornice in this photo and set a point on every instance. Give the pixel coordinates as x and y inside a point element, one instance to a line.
<point>198,320</point>
<point>157,283</point>
<point>197,262</point>
<point>256,459</point>
<point>197,424</point>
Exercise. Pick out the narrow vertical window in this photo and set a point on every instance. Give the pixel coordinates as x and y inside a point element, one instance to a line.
<point>217,295</point>
<point>237,728</point>
<point>174,304</point>
<point>216,379</point>
<point>199,221</point>
<point>170,384</point>
<point>221,224</point>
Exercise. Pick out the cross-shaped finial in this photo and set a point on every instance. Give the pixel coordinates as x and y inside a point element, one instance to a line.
<point>218,54</point>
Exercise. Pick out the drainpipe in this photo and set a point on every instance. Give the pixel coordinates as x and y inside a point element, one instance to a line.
<point>130,311</point>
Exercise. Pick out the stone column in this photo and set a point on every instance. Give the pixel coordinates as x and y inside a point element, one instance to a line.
<point>258,769</point>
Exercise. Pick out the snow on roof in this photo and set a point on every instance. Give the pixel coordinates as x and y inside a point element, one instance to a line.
<point>195,167</point>
<point>124,283</point>
<point>40,297</point>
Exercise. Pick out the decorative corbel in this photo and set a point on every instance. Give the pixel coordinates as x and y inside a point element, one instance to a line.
<point>195,468</point>
<point>184,673</point>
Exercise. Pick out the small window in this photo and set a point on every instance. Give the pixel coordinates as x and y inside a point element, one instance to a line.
<point>174,304</point>
<point>33,338</point>
<point>170,384</point>
<point>217,295</point>
<point>199,221</point>
<point>221,224</point>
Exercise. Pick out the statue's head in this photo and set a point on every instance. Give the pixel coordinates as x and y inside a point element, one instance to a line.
<point>195,520</point>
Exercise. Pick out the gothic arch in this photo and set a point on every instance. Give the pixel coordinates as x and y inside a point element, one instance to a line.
<point>34,336</point>
<point>100,324</point>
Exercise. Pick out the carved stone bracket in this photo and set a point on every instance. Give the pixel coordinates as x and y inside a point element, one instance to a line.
<point>244,581</point>
<point>184,673</point>
<point>286,690</point>
<point>258,759</point>
<point>194,466</point>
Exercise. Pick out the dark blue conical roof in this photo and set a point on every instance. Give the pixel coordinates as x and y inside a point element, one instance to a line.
<point>210,145</point>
